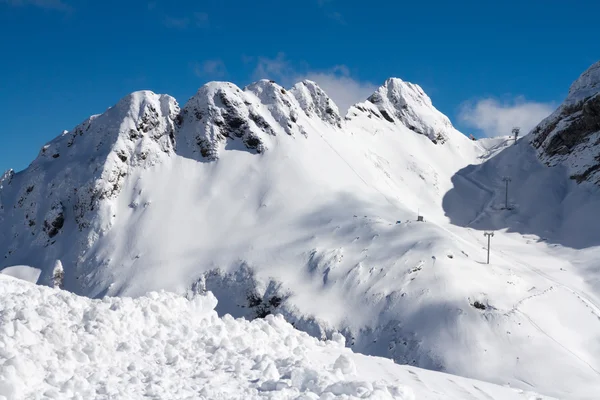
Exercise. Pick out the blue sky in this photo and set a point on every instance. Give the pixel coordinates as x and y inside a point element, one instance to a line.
<point>485,64</point>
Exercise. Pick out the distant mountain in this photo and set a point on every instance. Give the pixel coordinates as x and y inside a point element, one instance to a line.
<point>571,135</point>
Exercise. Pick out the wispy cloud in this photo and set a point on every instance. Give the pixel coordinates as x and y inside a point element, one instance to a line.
<point>337,82</point>
<point>496,118</point>
<point>196,20</point>
<point>47,4</point>
<point>200,19</point>
<point>335,15</point>
<point>272,68</point>
<point>344,90</point>
<point>210,69</point>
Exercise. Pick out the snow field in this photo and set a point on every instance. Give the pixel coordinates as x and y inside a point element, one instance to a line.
<point>55,345</point>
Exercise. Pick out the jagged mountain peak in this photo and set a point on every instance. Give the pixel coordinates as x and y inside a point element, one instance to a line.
<point>571,134</point>
<point>218,114</point>
<point>222,114</point>
<point>67,183</point>
<point>400,93</point>
<point>314,101</point>
<point>140,116</point>
<point>397,101</point>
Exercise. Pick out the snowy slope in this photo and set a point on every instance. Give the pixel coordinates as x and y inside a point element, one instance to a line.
<point>57,345</point>
<point>571,135</point>
<point>269,199</point>
<point>549,237</point>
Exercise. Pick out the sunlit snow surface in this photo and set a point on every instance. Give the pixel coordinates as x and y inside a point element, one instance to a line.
<point>56,345</point>
<point>274,202</point>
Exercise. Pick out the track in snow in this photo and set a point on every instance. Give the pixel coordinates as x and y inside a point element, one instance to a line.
<point>493,195</point>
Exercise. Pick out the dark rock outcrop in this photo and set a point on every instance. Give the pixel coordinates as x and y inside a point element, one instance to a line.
<point>571,135</point>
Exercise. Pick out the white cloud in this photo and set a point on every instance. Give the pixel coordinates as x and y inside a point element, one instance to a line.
<point>210,68</point>
<point>342,89</point>
<point>273,68</point>
<point>495,118</point>
<point>48,4</point>
<point>334,15</point>
<point>337,82</point>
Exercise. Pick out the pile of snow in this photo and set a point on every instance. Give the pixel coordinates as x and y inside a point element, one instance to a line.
<point>23,272</point>
<point>54,344</point>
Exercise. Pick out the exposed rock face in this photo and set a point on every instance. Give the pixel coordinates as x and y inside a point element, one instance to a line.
<point>571,135</point>
<point>222,114</point>
<point>220,111</point>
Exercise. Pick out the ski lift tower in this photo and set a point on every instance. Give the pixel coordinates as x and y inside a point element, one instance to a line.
<point>516,130</point>
<point>506,179</point>
<point>489,236</point>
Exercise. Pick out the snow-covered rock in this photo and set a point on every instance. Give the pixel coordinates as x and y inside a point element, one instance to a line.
<point>54,344</point>
<point>406,103</point>
<point>66,188</point>
<point>6,177</point>
<point>220,111</point>
<point>314,101</point>
<point>222,116</point>
<point>570,136</point>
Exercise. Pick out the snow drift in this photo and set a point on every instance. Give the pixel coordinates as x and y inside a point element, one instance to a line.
<point>54,344</point>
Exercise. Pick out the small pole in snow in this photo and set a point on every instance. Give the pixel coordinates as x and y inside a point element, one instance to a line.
<point>515,132</point>
<point>489,236</point>
<point>506,179</point>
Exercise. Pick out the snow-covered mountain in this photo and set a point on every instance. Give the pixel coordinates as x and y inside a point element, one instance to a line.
<point>286,141</point>
<point>571,135</point>
<point>270,199</point>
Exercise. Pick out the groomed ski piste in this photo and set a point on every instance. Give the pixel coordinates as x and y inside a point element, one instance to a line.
<point>56,345</point>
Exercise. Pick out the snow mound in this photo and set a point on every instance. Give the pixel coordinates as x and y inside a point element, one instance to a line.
<point>54,344</point>
<point>23,272</point>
